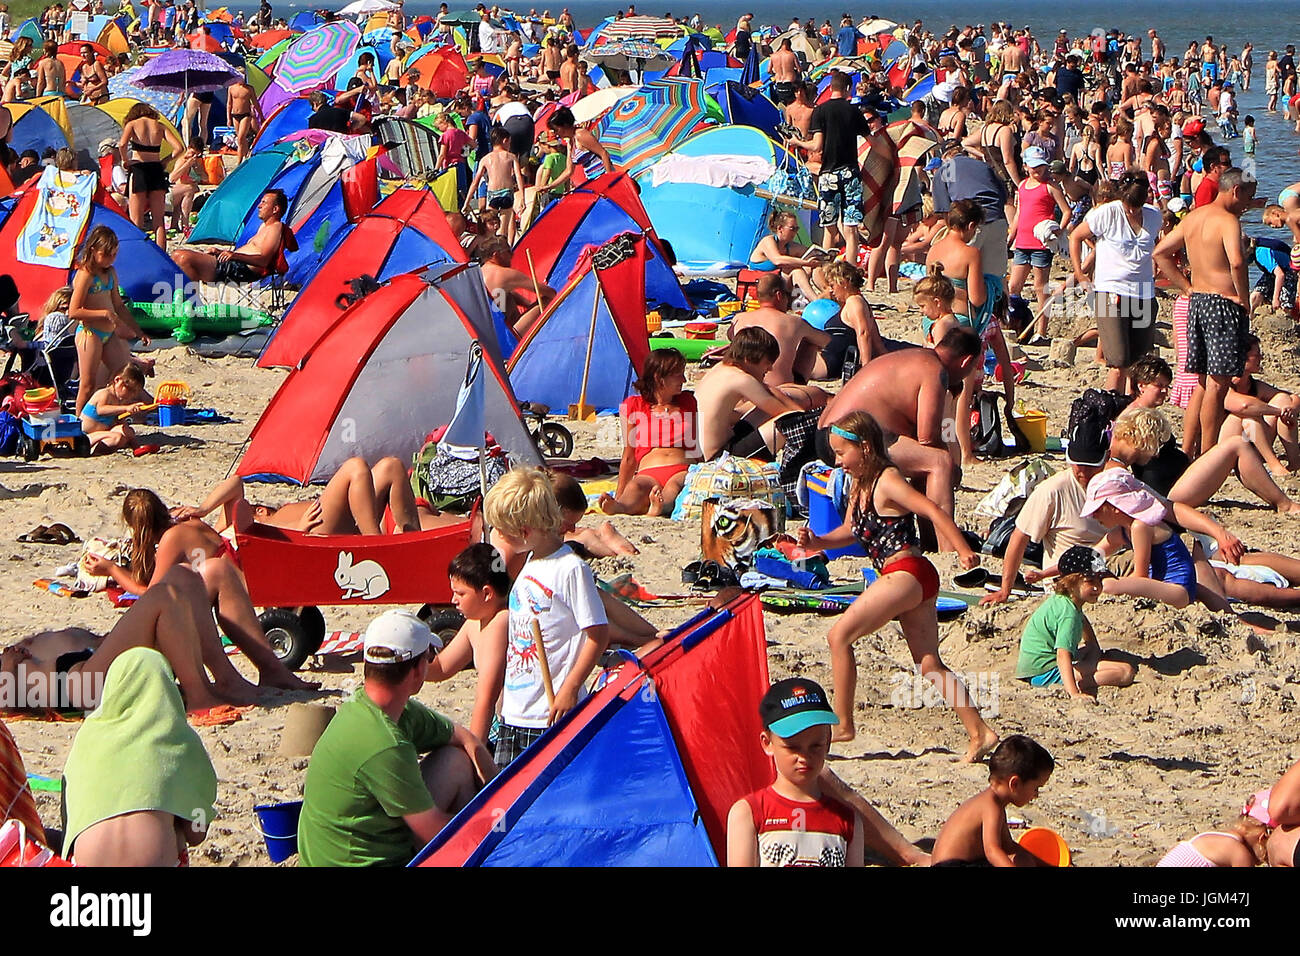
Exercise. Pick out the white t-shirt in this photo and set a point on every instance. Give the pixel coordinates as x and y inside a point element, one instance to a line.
<point>560,591</point>
<point>1052,516</point>
<point>1124,264</point>
<point>511,109</point>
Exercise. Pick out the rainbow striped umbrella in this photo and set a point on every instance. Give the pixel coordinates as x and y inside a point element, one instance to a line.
<point>317,55</point>
<point>654,119</point>
<point>635,28</point>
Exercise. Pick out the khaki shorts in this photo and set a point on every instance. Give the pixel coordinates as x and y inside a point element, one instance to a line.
<point>1120,565</point>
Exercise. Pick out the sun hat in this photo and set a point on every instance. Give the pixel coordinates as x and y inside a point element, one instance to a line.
<point>1035,156</point>
<point>1124,490</point>
<point>1088,446</point>
<point>793,705</point>
<point>106,144</point>
<point>397,635</point>
<point>1080,559</point>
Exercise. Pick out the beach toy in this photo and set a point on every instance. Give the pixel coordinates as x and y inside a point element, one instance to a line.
<point>819,312</point>
<point>691,349</point>
<point>1257,807</point>
<point>172,397</point>
<point>278,824</point>
<point>1048,845</point>
<point>653,322</point>
<point>1033,425</point>
<point>701,330</point>
<point>730,308</point>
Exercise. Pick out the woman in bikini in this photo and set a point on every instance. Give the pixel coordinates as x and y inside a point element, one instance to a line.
<point>144,134</point>
<point>100,313</point>
<point>1120,154</point>
<point>659,439</point>
<point>779,251</point>
<point>881,517</point>
<point>952,122</point>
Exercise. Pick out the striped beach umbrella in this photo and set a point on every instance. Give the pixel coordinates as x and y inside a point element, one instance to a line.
<point>271,55</point>
<point>649,29</point>
<point>654,119</point>
<point>317,55</point>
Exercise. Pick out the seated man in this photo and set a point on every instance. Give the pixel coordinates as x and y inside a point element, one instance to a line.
<point>736,408</point>
<point>509,290</point>
<point>251,261</point>
<point>174,617</point>
<point>906,393</point>
<point>799,344</point>
<point>368,799</point>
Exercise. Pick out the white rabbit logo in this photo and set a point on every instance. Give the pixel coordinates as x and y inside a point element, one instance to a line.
<point>367,580</point>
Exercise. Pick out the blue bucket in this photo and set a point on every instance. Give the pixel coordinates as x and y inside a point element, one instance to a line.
<point>278,824</point>
<point>171,415</point>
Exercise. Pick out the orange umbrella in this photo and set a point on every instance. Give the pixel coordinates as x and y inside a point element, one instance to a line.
<point>264,41</point>
<point>74,48</point>
<point>442,70</point>
<point>208,43</point>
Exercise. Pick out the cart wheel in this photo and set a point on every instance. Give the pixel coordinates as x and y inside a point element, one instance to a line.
<point>81,446</point>
<point>29,448</point>
<point>314,622</point>
<point>288,636</point>
<point>443,621</point>
<point>557,441</point>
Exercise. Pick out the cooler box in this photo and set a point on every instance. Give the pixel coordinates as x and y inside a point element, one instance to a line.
<point>823,516</point>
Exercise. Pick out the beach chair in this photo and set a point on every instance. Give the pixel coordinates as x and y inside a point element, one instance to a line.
<point>249,294</point>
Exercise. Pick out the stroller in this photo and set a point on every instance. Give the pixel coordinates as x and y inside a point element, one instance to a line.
<point>50,360</point>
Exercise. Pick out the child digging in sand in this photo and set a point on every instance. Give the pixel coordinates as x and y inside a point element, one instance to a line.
<point>977,834</point>
<point>793,822</point>
<point>881,517</point>
<point>1244,843</point>
<point>124,395</point>
<point>1059,645</point>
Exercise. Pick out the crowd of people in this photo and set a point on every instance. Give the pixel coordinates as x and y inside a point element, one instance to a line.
<point>1085,165</point>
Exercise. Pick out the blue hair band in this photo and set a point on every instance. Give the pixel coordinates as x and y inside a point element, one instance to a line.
<point>845,433</point>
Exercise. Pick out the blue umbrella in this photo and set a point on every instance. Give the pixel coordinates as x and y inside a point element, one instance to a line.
<point>750,73</point>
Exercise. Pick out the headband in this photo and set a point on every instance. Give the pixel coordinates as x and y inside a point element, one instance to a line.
<point>845,433</point>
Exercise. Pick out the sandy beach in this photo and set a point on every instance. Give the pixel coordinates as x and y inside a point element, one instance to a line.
<point>1209,720</point>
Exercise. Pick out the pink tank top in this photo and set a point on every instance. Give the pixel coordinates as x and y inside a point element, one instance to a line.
<point>1036,204</point>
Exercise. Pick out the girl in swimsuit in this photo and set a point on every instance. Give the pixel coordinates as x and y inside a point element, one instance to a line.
<point>124,395</point>
<point>1244,844</point>
<point>99,309</point>
<point>779,251</point>
<point>881,518</point>
<point>1120,154</point>
<point>659,441</point>
<point>854,325</point>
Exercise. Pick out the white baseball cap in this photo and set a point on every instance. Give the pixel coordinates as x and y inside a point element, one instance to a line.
<point>397,635</point>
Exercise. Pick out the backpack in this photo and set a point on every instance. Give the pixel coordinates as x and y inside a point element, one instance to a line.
<point>1098,405</point>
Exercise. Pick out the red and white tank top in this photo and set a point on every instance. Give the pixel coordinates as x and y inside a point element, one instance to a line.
<point>792,833</point>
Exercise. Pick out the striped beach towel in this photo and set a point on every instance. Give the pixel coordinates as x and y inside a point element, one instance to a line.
<point>878,157</point>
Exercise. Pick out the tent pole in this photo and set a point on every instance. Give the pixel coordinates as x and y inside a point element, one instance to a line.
<point>580,410</point>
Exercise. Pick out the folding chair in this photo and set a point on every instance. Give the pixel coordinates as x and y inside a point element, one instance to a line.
<point>249,294</point>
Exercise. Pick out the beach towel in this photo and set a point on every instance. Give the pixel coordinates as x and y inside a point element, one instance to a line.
<point>914,145</point>
<point>136,751</point>
<point>16,801</point>
<point>879,158</point>
<point>53,232</point>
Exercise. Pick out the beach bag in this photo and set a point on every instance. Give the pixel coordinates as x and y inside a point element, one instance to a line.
<point>995,542</point>
<point>1014,489</point>
<point>114,549</point>
<point>1098,405</point>
<point>727,478</point>
<point>986,436</point>
<point>9,434</point>
<point>732,531</point>
<point>453,484</point>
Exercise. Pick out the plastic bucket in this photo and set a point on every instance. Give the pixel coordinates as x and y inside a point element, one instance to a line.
<point>171,413</point>
<point>729,308</point>
<point>278,824</point>
<point>1033,425</point>
<point>1047,845</point>
<point>653,322</point>
<point>701,330</point>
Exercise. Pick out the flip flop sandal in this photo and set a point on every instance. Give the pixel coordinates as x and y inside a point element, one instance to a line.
<point>973,578</point>
<point>690,573</point>
<point>35,536</point>
<point>60,534</point>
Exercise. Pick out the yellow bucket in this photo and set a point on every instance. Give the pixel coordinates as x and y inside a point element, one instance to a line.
<point>729,308</point>
<point>653,322</point>
<point>1033,425</point>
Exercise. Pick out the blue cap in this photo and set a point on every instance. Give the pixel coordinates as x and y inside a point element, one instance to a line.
<point>793,705</point>
<point>1035,156</point>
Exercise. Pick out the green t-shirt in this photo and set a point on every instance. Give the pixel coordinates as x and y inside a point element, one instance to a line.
<point>554,163</point>
<point>1057,623</point>
<point>364,776</point>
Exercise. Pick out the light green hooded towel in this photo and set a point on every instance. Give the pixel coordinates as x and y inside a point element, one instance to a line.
<point>136,751</point>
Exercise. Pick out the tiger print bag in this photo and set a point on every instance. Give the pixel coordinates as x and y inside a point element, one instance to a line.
<point>731,531</point>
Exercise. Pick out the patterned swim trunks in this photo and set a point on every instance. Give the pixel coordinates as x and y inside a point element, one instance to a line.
<point>1217,331</point>
<point>839,197</point>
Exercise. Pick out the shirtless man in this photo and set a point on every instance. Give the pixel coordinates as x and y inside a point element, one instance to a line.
<point>737,410</point>
<point>569,69</point>
<point>174,617</point>
<point>51,76</point>
<point>786,76</point>
<point>799,115</point>
<point>1013,61</point>
<point>245,113</point>
<point>1218,322</point>
<point>94,78</point>
<point>251,261</point>
<point>799,343</point>
<point>906,393</point>
<point>1157,47</point>
<point>505,284</point>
